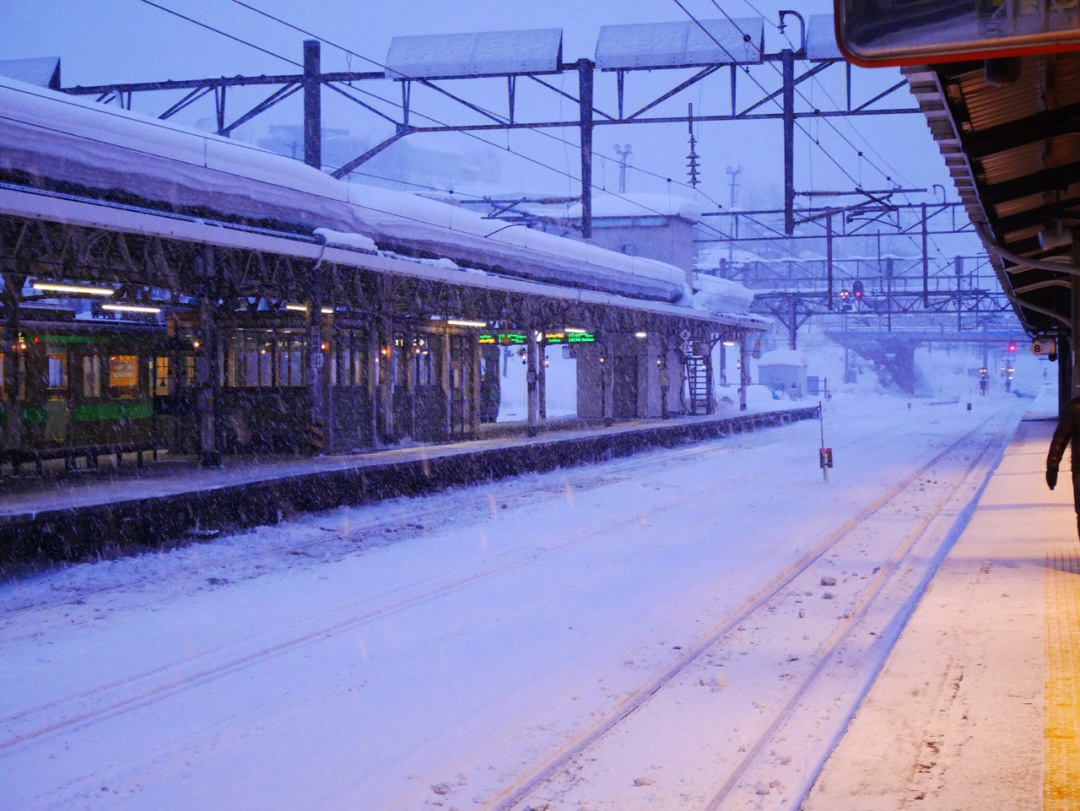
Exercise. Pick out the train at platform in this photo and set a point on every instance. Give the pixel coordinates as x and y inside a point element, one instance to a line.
<point>92,382</point>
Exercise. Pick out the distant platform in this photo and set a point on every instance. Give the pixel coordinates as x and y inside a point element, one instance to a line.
<point>71,517</point>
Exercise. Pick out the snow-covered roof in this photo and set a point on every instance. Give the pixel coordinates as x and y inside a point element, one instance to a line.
<point>782,357</point>
<point>642,205</point>
<point>42,71</point>
<point>480,54</point>
<point>680,44</point>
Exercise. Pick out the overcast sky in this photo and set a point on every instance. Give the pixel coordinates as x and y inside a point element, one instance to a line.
<point>129,40</point>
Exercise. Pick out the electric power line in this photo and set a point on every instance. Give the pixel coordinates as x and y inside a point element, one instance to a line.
<point>485,111</point>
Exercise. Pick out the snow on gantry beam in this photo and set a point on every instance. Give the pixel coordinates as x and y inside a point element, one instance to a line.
<point>489,53</point>
<point>681,44</point>
<point>821,38</point>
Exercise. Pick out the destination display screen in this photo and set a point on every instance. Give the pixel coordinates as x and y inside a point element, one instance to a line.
<point>519,338</point>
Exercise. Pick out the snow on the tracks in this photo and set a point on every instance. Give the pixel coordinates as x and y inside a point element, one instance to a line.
<point>436,652</point>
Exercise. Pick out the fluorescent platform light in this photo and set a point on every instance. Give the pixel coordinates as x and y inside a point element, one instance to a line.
<point>296,308</point>
<point>461,323</point>
<point>72,288</point>
<point>131,308</point>
<point>574,330</point>
<point>641,335</point>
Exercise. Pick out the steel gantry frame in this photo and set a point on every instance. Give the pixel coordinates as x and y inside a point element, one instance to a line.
<point>972,294</point>
<point>591,112</point>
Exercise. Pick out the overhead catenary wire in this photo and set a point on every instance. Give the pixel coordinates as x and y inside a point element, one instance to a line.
<point>829,123</point>
<point>497,116</point>
<point>481,108</point>
<point>527,158</point>
<point>815,81</point>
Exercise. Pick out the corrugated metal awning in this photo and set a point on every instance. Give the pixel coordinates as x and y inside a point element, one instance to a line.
<point>1013,151</point>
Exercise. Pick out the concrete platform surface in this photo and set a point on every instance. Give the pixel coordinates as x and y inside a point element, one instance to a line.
<point>978,705</point>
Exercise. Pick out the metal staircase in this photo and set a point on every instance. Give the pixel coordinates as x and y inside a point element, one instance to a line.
<point>696,373</point>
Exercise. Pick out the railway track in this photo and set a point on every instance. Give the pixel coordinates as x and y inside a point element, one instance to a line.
<point>321,628</point>
<point>513,493</point>
<point>554,779</point>
<point>123,695</point>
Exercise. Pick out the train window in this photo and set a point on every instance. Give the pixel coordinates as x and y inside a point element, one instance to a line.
<point>234,369</point>
<point>91,374</point>
<point>251,362</point>
<point>290,361</point>
<point>283,362</point>
<point>56,375</point>
<point>422,357</point>
<point>266,363</point>
<point>358,363</point>
<point>124,374</point>
<point>344,359</point>
<point>296,362</point>
<point>162,380</point>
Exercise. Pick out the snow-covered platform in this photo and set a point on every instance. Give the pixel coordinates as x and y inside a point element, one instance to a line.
<point>978,704</point>
<point>64,518</point>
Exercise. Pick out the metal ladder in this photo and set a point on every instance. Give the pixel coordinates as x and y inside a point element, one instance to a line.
<point>697,384</point>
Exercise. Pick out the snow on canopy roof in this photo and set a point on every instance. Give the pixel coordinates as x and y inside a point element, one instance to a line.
<point>642,205</point>
<point>105,147</point>
<point>680,44</point>
<point>782,357</point>
<point>482,54</point>
<point>821,38</point>
<point>43,71</point>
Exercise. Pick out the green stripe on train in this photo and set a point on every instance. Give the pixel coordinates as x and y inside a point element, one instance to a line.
<point>35,415</point>
<point>140,340</point>
<point>112,411</point>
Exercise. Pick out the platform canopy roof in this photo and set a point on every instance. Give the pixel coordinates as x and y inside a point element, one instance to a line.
<point>488,53</point>
<point>1014,155</point>
<point>681,44</point>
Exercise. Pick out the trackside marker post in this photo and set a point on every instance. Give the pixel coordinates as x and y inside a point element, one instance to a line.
<point>824,454</point>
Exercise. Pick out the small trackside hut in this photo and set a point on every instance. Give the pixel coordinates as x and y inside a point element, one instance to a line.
<point>205,297</point>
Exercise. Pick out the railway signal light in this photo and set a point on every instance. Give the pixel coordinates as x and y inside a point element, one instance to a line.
<point>857,289</point>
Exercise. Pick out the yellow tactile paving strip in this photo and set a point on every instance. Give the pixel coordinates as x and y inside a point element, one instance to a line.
<point>1061,725</point>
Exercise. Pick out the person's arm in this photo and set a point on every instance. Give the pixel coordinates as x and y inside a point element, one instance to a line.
<point>1064,432</point>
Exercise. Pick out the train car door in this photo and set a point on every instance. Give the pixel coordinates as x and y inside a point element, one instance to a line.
<point>57,396</point>
<point>459,421</point>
